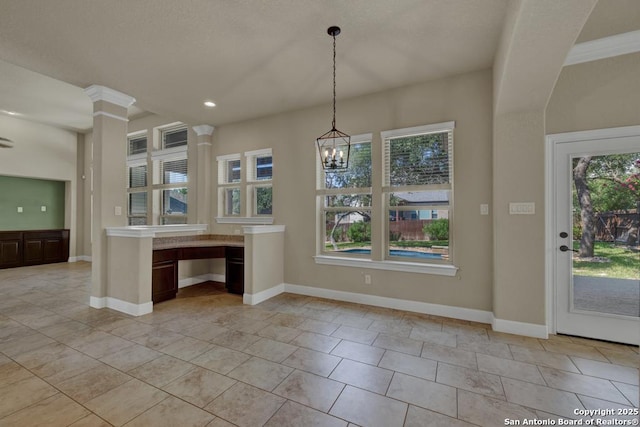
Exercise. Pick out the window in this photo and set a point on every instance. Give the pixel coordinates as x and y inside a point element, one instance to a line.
<point>229,188</point>
<point>174,137</point>
<point>345,199</point>
<point>418,181</point>
<point>259,176</point>
<point>171,183</point>
<point>245,198</point>
<point>137,178</point>
<point>412,200</point>
<point>137,144</point>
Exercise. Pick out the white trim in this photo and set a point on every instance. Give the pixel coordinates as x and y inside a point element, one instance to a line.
<point>257,153</point>
<point>205,144</point>
<point>417,130</point>
<point>72,259</point>
<point>462,313</point>
<point>253,299</point>
<point>409,267</point>
<point>225,157</point>
<point>97,302</point>
<point>139,159</point>
<point>103,93</point>
<point>209,277</point>
<point>606,47</point>
<point>550,205</point>
<point>257,220</point>
<point>263,229</point>
<point>520,328</point>
<point>154,230</point>
<point>174,153</point>
<point>113,116</point>
<point>79,258</point>
<point>122,306</point>
<point>203,130</point>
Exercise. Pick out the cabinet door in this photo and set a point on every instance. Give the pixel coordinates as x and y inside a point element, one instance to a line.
<point>52,250</point>
<point>33,251</point>
<point>235,276</point>
<point>164,281</point>
<point>10,253</point>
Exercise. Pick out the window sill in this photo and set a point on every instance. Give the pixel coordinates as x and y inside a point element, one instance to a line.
<point>257,220</point>
<point>408,267</point>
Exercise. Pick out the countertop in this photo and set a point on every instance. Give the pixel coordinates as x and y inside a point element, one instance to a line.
<point>199,241</point>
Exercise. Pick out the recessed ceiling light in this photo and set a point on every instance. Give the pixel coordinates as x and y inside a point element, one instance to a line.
<point>209,104</point>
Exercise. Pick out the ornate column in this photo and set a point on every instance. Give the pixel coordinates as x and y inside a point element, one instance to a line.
<point>109,194</point>
<point>203,178</point>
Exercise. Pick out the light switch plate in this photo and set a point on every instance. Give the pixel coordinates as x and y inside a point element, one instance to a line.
<point>20,210</point>
<point>118,210</point>
<point>522,208</point>
<point>43,208</point>
<point>484,209</point>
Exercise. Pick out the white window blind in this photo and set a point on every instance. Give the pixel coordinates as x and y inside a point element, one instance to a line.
<point>137,145</point>
<point>172,138</point>
<point>174,171</point>
<point>419,159</point>
<point>138,176</point>
<point>138,204</point>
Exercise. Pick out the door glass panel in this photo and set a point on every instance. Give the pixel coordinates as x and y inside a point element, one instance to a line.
<point>605,219</point>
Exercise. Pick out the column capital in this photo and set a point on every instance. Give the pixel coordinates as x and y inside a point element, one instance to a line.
<point>203,130</point>
<point>103,93</point>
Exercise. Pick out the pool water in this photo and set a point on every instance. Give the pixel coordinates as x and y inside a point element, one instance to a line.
<point>398,252</point>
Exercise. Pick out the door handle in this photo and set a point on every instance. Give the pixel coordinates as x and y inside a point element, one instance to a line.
<point>565,248</point>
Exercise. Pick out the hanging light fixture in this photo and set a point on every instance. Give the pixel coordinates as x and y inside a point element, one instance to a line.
<point>334,146</point>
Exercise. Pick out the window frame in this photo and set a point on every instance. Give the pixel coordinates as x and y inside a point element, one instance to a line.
<point>322,193</point>
<point>159,158</point>
<point>379,259</point>
<point>387,138</point>
<point>253,183</point>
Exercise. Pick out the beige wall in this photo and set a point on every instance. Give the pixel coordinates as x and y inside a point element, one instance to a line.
<point>596,95</point>
<point>466,99</point>
<point>45,152</point>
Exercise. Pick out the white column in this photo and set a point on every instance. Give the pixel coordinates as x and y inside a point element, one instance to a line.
<point>109,179</point>
<point>203,179</point>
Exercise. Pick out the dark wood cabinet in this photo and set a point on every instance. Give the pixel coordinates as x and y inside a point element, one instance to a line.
<point>234,274</point>
<point>164,280</point>
<point>33,247</point>
<point>10,249</point>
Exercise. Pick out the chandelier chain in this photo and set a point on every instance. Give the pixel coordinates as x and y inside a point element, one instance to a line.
<point>333,123</point>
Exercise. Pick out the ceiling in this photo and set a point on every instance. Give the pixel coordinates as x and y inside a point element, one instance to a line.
<point>252,58</point>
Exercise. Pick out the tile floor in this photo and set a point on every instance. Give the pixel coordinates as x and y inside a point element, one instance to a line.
<point>204,359</point>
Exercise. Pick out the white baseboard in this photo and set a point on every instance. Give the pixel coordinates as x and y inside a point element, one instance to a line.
<point>79,258</point>
<point>189,281</point>
<point>469,314</point>
<point>520,328</point>
<point>122,306</point>
<point>253,299</point>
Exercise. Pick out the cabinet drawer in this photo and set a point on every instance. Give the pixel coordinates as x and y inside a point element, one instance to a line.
<point>165,255</point>
<point>202,252</point>
<point>235,252</point>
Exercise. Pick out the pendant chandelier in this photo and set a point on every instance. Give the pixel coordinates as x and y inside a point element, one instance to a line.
<point>334,146</point>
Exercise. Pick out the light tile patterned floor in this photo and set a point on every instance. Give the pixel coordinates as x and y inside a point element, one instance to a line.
<point>204,359</point>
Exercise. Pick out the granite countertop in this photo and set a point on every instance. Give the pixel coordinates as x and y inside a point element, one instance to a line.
<point>198,241</point>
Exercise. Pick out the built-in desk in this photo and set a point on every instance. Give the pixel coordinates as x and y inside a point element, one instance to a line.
<point>167,252</point>
<point>139,257</point>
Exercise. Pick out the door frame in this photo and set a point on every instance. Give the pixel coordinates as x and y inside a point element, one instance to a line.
<point>552,140</point>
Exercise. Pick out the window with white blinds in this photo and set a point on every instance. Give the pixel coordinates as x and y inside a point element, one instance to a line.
<point>259,177</point>
<point>174,171</point>
<point>137,144</point>
<point>174,137</point>
<point>138,176</point>
<point>137,212</point>
<point>418,193</point>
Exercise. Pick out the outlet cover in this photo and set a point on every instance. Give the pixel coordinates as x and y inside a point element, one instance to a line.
<point>484,209</point>
<point>43,208</point>
<point>20,210</point>
<point>522,208</point>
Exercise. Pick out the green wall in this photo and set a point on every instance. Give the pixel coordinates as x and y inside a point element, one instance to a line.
<point>31,194</point>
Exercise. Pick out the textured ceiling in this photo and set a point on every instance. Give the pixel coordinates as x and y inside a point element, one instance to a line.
<point>253,58</point>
